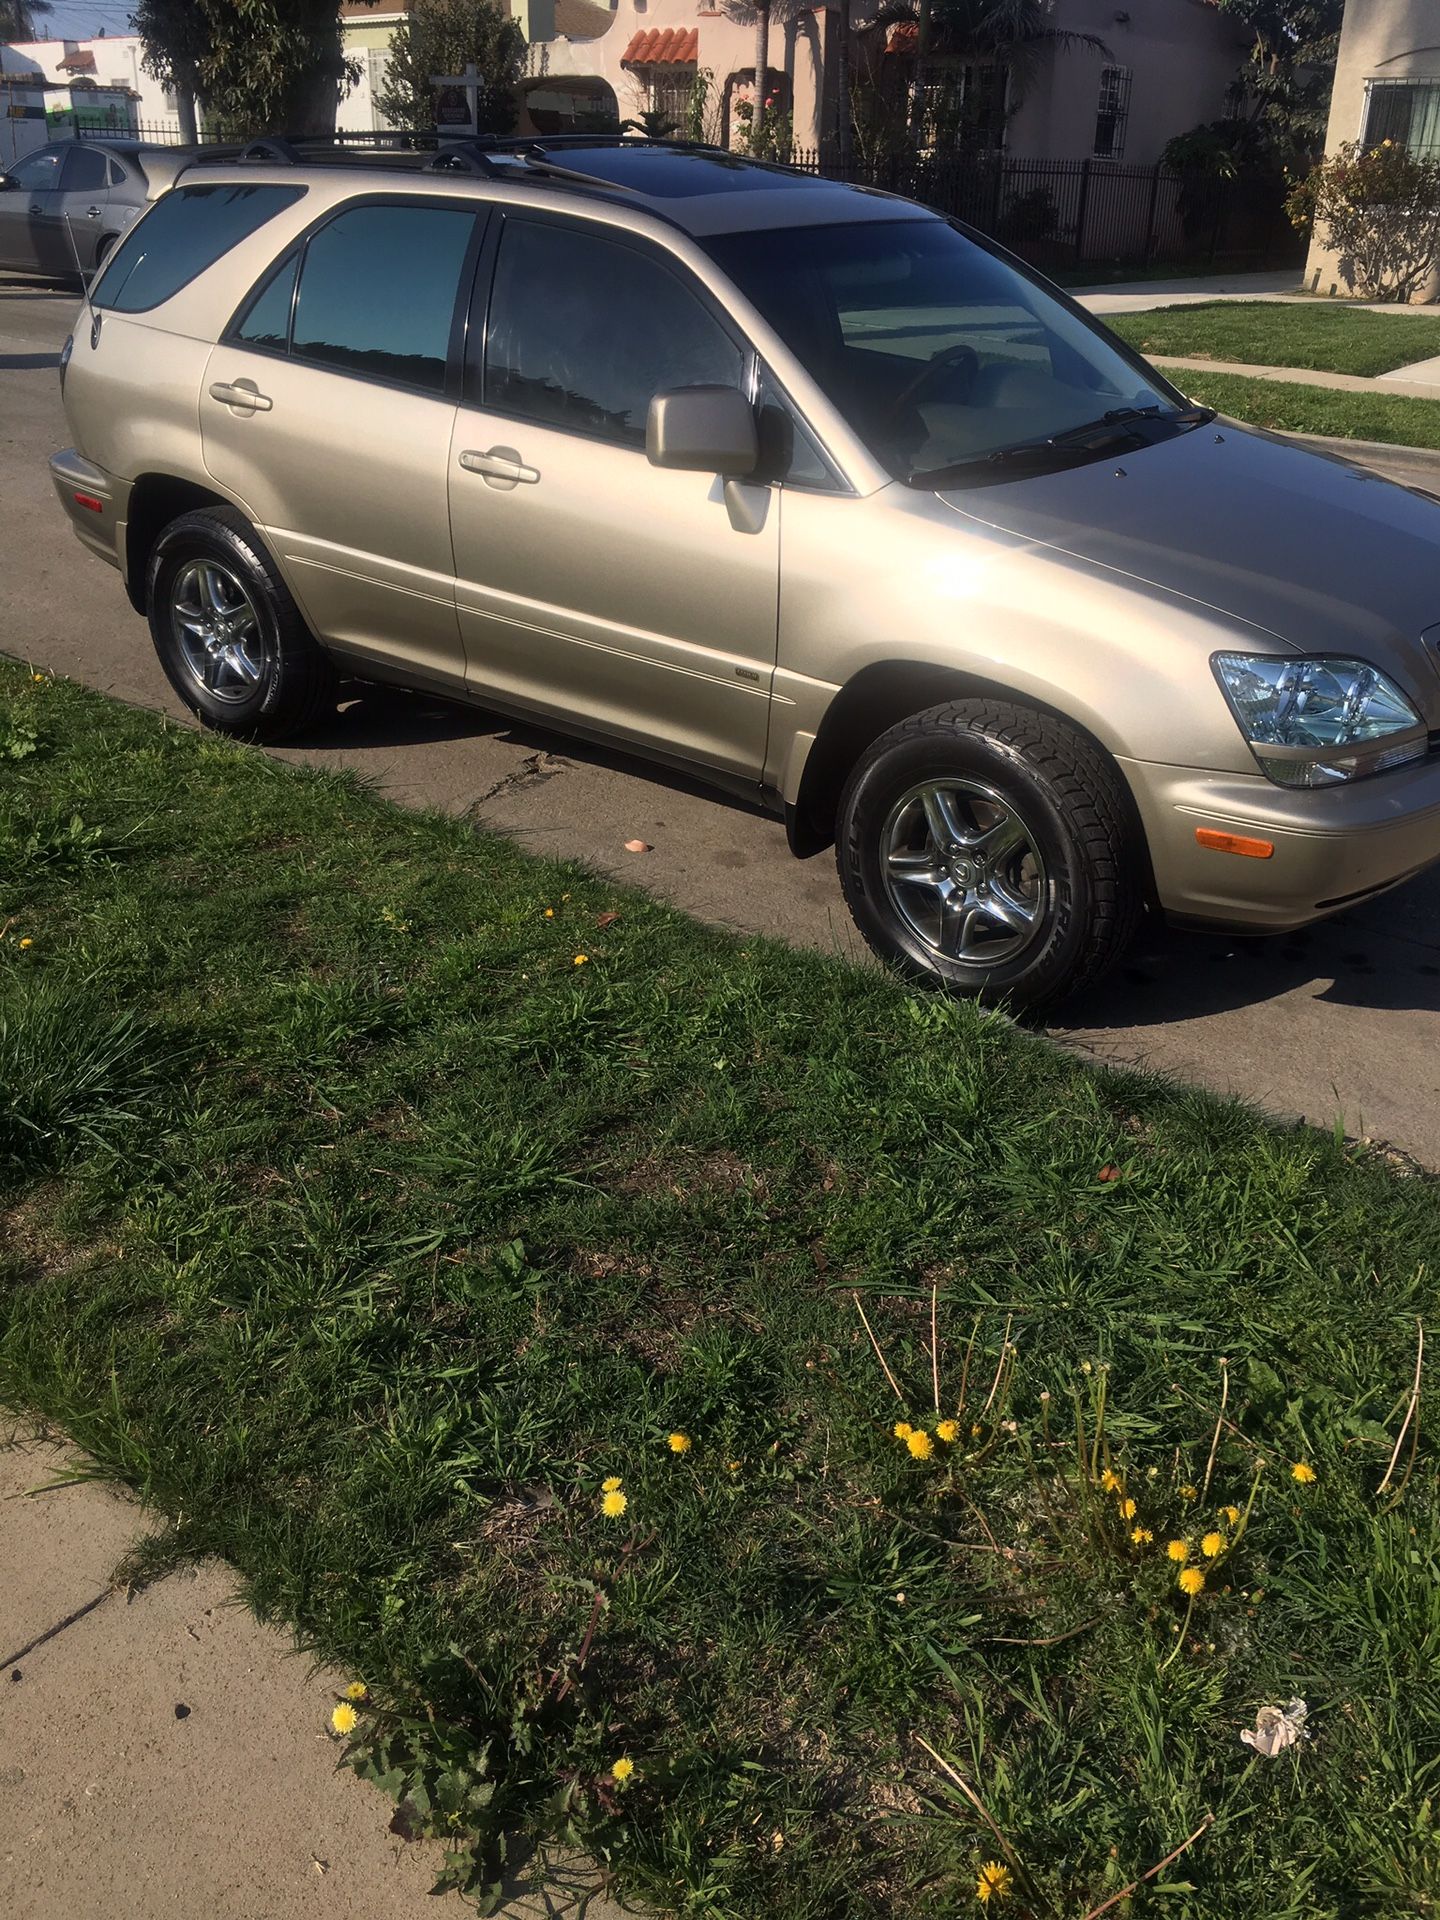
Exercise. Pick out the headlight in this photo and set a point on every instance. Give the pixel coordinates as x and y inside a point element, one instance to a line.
<point>1311,723</point>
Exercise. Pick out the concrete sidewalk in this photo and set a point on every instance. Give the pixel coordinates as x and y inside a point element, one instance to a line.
<point>1142,296</point>
<point>163,1755</point>
<point>1394,385</point>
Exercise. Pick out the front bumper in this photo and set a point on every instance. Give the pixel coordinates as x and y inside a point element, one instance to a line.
<point>1332,847</point>
<point>96,503</point>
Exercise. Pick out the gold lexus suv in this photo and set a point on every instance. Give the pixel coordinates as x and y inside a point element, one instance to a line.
<point>794,484</point>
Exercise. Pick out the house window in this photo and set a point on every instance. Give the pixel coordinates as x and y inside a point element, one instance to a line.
<point>966,108</point>
<point>669,92</point>
<point>1405,111</point>
<point>1112,113</point>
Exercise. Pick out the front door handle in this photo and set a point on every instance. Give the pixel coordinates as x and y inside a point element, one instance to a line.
<point>241,393</point>
<point>92,213</point>
<point>501,467</point>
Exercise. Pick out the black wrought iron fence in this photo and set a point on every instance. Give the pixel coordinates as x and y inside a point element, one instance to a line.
<point>1078,213</point>
<point>1058,214</point>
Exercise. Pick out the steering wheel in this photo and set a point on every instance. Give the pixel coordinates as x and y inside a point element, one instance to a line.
<point>943,362</point>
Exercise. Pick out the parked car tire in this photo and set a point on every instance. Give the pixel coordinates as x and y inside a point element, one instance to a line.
<point>229,635</point>
<point>989,848</point>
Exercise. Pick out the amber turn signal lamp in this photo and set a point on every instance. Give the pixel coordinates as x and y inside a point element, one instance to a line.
<point>1239,843</point>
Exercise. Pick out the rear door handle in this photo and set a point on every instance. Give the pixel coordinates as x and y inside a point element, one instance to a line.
<point>501,467</point>
<point>241,393</point>
<point>92,213</point>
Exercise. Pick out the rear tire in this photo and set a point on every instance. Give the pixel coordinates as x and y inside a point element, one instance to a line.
<point>990,849</point>
<point>230,637</point>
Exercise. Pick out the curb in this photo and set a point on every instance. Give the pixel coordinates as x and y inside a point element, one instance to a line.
<point>1422,462</point>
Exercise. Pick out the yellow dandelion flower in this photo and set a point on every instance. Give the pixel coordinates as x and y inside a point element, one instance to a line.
<point>1192,1581</point>
<point>613,1504</point>
<point>1128,1509</point>
<point>920,1444</point>
<point>357,1690</point>
<point>902,1429</point>
<point>994,1882</point>
<point>1232,1514</point>
<point>622,1770</point>
<point>1189,1493</point>
<point>1178,1550</point>
<point>732,1466</point>
<point>975,1430</point>
<point>1142,1536</point>
<point>1110,1481</point>
<point>581,960</point>
<point>344,1719</point>
<point>1299,1471</point>
<point>948,1431</point>
<point>679,1443</point>
<point>612,1485</point>
<point>549,913</point>
<point>28,942</point>
<point>1213,1545</point>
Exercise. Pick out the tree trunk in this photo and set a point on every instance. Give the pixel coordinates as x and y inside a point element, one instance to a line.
<point>185,109</point>
<point>762,71</point>
<point>842,79</point>
<point>917,85</point>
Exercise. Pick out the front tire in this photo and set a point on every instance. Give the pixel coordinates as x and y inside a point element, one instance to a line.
<point>229,635</point>
<point>989,848</point>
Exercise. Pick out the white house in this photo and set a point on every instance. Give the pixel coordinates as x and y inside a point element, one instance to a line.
<point>1387,87</point>
<point>46,85</point>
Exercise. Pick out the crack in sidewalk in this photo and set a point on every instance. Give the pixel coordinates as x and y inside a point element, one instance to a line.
<point>59,1627</point>
<point>534,770</point>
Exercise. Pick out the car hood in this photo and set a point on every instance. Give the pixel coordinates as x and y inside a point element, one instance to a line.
<point>1314,552</point>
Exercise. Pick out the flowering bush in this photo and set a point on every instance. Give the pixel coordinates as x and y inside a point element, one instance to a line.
<point>1379,211</point>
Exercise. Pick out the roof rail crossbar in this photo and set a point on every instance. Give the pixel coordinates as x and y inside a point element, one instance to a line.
<point>273,147</point>
<point>464,156</point>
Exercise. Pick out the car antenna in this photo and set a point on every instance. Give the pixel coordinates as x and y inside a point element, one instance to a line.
<point>84,283</point>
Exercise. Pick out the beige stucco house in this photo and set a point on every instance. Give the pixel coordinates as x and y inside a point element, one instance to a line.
<point>1165,65</point>
<point>1387,87</point>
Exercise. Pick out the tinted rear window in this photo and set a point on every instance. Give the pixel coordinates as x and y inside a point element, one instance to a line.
<point>378,289</point>
<point>185,232</point>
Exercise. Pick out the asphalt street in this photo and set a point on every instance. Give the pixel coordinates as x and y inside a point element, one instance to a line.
<point>1341,1021</point>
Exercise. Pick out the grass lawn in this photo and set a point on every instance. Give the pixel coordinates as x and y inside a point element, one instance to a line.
<point>1270,333</point>
<point>368,1233</point>
<point>1292,407</point>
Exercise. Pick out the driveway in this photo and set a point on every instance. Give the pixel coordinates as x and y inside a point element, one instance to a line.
<point>1341,1021</point>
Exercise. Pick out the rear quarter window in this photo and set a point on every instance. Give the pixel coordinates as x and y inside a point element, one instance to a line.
<point>186,231</point>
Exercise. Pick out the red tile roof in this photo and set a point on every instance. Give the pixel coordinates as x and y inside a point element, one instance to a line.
<point>81,61</point>
<point>663,47</point>
<point>904,37</point>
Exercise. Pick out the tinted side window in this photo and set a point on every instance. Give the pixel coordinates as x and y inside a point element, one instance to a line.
<point>84,171</point>
<point>378,289</point>
<point>266,321</point>
<point>185,231</point>
<point>117,173</point>
<point>584,331</point>
<point>38,171</point>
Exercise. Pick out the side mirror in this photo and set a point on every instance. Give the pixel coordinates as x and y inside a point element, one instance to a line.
<point>703,430</point>
<point>8,183</point>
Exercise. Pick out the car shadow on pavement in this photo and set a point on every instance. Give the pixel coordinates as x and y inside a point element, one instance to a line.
<point>1360,959</point>
<point>369,715</point>
<point>27,362</point>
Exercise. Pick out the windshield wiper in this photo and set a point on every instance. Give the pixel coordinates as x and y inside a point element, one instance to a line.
<point>1116,417</point>
<point>1112,429</point>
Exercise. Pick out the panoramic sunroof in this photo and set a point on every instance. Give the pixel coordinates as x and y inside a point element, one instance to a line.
<point>668,174</point>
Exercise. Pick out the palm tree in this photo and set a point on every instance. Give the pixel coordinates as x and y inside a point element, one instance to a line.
<point>1013,34</point>
<point>18,17</point>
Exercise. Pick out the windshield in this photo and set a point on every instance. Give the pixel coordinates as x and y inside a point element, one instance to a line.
<point>938,354</point>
